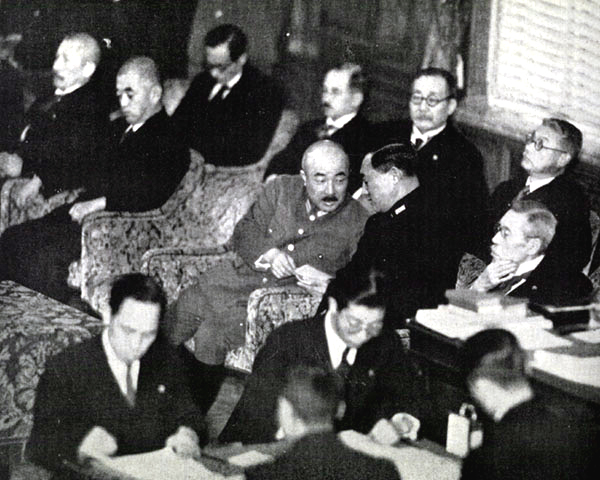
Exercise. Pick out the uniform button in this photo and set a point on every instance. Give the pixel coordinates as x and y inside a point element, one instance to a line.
<point>435,157</point>
<point>265,280</point>
<point>312,218</point>
<point>300,231</point>
<point>290,247</point>
<point>320,256</point>
<point>218,13</point>
<point>270,230</point>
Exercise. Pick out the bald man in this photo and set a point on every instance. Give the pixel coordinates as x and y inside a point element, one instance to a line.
<point>140,171</point>
<point>297,220</point>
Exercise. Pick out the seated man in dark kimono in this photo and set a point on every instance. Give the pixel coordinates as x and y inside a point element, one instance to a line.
<point>139,173</point>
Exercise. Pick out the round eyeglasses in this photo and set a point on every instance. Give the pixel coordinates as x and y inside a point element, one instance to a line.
<point>538,143</point>
<point>417,98</point>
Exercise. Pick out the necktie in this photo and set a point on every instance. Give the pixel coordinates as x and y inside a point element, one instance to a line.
<point>344,368</point>
<point>418,143</point>
<point>130,390</point>
<point>220,94</point>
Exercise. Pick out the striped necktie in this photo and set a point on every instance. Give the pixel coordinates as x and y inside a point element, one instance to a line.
<point>130,390</point>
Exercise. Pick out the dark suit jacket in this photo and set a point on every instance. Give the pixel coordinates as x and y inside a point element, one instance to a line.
<point>146,166</point>
<point>412,251</point>
<point>451,168</point>
<point>322,456</point>
<point>78,391</point>
<point>571,245</point>
<point>354,137</point>
<point>380,383</point>
<point>531,443</point>
<point>236,130</point>
<point>66,139</point>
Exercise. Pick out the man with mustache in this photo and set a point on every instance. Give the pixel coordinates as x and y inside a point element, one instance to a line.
<point>343,94</point>
<point>552,150</point>
<point>64,132</point>
<point>297,221</point>
<point>448,165</point>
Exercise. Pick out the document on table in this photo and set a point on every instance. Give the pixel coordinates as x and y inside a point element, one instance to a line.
<point>588,336</point>
<point>584,370</point>
<point>412,463</point>
<point>159,465</point>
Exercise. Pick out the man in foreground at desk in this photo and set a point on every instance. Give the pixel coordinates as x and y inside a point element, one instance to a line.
<point>520,266</point>
<point>347,338</point>
<point>526,439</point>
<point>121,392</point>
<point>306,411</point>
<point>300,226</point>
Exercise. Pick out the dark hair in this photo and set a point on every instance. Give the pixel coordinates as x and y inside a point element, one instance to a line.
<point>571,137</point>
<point>362,289</point>
<point>314,393</point>
<point>398,155</point>
<point>233,35</point>
<point>138,287</point>
<point>441,73</point>
<point>494,354</point>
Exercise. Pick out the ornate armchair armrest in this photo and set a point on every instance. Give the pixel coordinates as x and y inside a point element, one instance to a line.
<point>287,126</point>
<point>114,242</point>
<point>178,268</point>
<point>269,308</point>
<point>469,269</point>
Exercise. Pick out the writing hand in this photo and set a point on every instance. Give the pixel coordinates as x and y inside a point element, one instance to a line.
<point>97,443</point>
<point>184,443</point>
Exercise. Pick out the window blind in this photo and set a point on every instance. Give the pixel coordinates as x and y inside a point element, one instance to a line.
<point>544,59</point>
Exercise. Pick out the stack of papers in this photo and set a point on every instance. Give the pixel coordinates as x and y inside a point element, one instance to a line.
<point>532,332</point>
<point>584,370</point>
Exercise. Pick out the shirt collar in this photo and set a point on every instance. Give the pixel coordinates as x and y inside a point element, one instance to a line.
<point>117,366</point>
<point>341,121</point>
<point>336,345</point>
<point>535,183</point>
<point>60,92</point>
<point>416,133</point>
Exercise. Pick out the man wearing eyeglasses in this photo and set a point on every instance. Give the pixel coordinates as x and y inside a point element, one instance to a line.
<point>549,152</point>
<point>519,265</point>
<point>347,338</point>
<point>231,110</point>
<point>448,165</point>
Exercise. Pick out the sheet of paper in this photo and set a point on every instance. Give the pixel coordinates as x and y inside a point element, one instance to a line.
<point>584,370</point>
<point>588,336</point>
<point>412,463</point>
<point>307,274</point>
<point>249,459</point>
<point>160,465</point>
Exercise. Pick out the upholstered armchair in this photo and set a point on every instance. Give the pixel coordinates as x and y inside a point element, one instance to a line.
<point>11,213</point>
<point>200,214</point>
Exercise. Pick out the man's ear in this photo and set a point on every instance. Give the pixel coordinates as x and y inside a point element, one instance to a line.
<point>452,104</point>
<point>534,246</point>
<point>357,99</point>
<point>105,314</point>
<point>303,175</point>
<point>156,93</point>
<point>563,160</point>
<point>332,305</point>
<point>243,58</point>
<point>88,69</point>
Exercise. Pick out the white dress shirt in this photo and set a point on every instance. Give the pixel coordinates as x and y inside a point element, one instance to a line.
<point>229,85</point>
<point>425,137</point>
<point>119,367</point>
<point>336,345</point>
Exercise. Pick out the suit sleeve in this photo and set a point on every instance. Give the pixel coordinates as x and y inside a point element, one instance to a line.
<point>55,436</point>
<point>250,236</point>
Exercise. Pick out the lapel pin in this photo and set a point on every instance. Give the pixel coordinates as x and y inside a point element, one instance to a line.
<point>161,388</point>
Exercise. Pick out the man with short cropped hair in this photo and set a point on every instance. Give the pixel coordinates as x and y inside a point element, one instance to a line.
<point>343,94</point>
<point>520,266</point>
<point>231,110</point>
<point>299,228</point>
<point>550,152</point>
<point>121,392</point>
<point>306,411</point>
<point>526,438</point>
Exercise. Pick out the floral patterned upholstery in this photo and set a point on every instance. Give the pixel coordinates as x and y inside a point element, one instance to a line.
<point>13,214</point>
<point>200,214</point>
<point>469,269</point>
<point>32,328</point>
